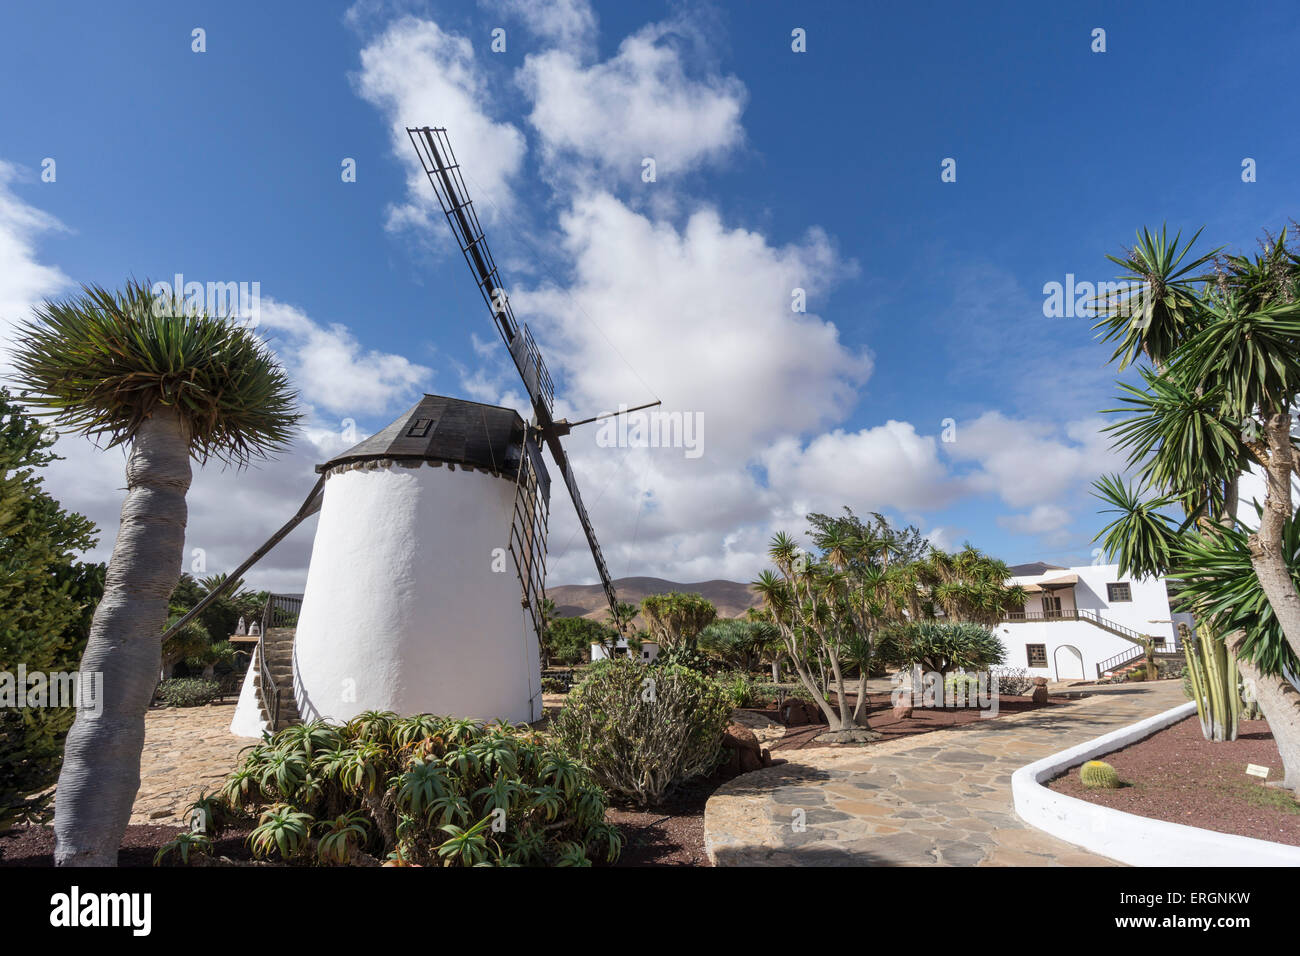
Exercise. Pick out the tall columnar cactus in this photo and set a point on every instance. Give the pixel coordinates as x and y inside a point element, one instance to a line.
<point>1099,775</point>
<point>1212,671</point>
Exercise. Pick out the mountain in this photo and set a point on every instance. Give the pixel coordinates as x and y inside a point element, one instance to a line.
<point>731,598</point>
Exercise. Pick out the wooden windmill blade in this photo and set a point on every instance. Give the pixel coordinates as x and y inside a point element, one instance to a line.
<point>440,165</point>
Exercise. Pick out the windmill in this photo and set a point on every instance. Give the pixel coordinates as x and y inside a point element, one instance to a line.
<point>408,606</point>
<point>440,165</point>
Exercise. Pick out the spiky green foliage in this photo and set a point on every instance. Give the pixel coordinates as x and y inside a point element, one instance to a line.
<point>103,361</point>
<point>1166,309</point>
<point>942,647</point>
<point>1251,356</point>
<point>1180,436</point>
<point>1099,775</point>
<point>1218,584</point>
<point>423,789</point>
<point>47,598</point>
<point>739,642</point>
<point>1143,538</point>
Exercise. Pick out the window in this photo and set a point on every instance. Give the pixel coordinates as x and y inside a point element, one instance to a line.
<point>419,428</point>
<point>1036,654</point>
<point>1118,593</point>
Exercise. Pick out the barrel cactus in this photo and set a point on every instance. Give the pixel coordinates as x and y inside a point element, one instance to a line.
<point>1099,775</point>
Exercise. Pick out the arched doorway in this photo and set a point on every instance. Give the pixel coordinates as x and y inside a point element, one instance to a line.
<point>1069,663</point>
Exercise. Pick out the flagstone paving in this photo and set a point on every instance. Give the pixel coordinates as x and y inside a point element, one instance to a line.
<point>941,798</point>
<point>186,750</point>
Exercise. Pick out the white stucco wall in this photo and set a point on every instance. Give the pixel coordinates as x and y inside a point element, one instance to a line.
<point>649,650</point>
<point>403,609</point>
<point>1147,613</point>
<point>248,720</point>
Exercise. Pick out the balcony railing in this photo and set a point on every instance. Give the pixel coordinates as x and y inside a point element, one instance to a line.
<point>1092,617</point>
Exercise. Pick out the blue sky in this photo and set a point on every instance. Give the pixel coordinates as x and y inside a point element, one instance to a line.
<point>775,168</point>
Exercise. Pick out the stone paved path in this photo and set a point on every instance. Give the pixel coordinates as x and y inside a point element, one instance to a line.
<point>937,798</point>
<point>186,749</point>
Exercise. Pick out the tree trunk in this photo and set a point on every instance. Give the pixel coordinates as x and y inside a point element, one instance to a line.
<point>101,762</point>
<point>1279,702</point>
<point>860,711</point>
<point>1267,552</point>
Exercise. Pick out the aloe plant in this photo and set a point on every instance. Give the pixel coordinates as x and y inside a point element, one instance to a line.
<point>184,843</point>
<point>282,830</point>
<point>341,838</point>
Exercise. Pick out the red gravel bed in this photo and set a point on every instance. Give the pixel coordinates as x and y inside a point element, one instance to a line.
<point>1179,776</point>
<point>34,846</point>
<point>880,715</point>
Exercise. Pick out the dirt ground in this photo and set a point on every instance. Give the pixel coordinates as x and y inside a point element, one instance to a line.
<point>1179,776</point>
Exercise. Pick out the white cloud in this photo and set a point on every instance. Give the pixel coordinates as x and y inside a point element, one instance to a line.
<point>1026,462</point>
<point>418,75</point>
<point>889,466</point>
<point>567,23</point>
<point>24,280</point>
<point>333,371</point>
<point>1041,519</point>
<point>641,103</point>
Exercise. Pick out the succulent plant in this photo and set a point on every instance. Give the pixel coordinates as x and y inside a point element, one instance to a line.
<point>1099,775</point>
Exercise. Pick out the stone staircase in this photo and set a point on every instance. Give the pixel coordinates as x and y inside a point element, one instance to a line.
<point>279,664</point>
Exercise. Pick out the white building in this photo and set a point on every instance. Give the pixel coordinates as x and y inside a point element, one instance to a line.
<point>1080,623</point>
<point>649,650</point>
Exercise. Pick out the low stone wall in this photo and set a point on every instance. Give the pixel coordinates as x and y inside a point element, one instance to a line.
<point>1125,837</point>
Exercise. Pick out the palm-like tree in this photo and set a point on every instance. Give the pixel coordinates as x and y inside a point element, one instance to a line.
<point>1220,400</point>
<point>133,369</point>
<point>1165,309</point>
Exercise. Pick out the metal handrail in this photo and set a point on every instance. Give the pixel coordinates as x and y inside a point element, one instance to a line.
<point>1084,614</point>
<point>271,697</point>
<point>1123,657</point>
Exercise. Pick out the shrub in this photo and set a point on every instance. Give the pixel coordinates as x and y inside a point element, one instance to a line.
<point>46,603</point>
<point>555,685</point>
<point>643,729</point>
<point>429,790</point>
<point>941,647</point>
<point>739,686</point>
<point>683,657</point>
<point>676,619</point>
<point>1015,681</point>
<point>187,691</point>
<point>738,642</point>
<point>767,692</point>
<point>569,639</point>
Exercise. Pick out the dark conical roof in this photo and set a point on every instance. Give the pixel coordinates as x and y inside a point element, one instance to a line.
<point>1036,567</point>
<point>437,428</point>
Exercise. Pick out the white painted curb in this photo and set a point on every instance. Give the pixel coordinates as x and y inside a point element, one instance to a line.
<point>1137,841</point>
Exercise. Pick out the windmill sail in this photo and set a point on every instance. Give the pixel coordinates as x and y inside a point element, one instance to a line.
<point>440,165</point>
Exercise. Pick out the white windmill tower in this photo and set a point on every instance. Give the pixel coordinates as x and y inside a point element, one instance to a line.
<point>424,591</point>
